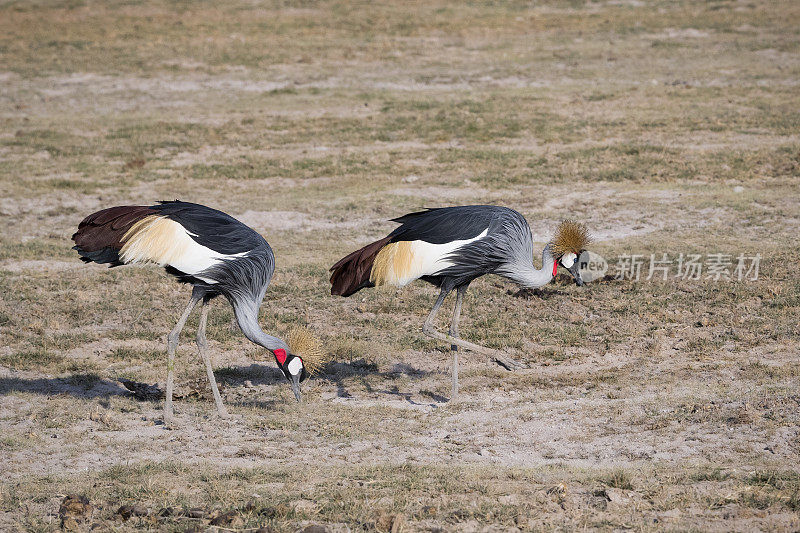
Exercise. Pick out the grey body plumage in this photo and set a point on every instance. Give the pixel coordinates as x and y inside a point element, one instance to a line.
<point>506,250</point>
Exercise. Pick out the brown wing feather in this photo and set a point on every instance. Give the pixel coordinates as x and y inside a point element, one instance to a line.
<point>104,230</point>
<point>351,273</point>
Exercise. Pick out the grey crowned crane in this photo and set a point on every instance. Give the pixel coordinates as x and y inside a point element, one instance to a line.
<point>451,246</point>
<point>217,255</point>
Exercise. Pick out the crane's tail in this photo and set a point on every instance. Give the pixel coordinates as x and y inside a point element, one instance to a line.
<point>100,236</point>
<point>351,273</point>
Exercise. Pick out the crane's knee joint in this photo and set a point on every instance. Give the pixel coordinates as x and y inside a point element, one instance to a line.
<point>172,340</point>
<point>202,343</point>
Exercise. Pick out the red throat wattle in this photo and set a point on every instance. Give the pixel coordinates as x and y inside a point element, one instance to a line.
<point>280,355</point>
<point>555,268</point>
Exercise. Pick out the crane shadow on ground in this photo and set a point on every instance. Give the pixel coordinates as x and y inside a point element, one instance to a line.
<point>531,294</point>
<point>545,293</point>
<point>92,386</point>
<point>357,372</point>
<point>343,375</point>
<point>85,386</point>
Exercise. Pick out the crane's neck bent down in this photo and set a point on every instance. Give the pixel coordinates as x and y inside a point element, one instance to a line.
<point>527,275</point>
<point>247,316</point>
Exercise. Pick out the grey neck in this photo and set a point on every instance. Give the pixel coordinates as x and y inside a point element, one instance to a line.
<point>247,317</point>
<point>525,274</point>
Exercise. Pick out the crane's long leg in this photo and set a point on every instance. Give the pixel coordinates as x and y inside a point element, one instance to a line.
<point>202,345</point>
<point>460,291</point>
<point>172,344</point>
<point>430,330</point>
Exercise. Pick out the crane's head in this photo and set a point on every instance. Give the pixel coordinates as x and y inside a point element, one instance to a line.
<point>567,246</point>
<point>304,357</point>
<point>293,368</point>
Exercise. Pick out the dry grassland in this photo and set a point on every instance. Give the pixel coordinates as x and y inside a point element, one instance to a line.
<point>668,127</point>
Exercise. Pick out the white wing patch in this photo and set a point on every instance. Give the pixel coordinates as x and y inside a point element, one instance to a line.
<point>160,240</point>
<point>430,259</point>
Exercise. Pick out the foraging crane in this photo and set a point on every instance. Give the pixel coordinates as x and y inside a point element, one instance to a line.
<point>451,246</point>
<point>217,255</point>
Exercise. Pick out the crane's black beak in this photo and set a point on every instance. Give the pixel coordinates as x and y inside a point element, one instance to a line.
<point>576,273</point>
<point>296,386</point>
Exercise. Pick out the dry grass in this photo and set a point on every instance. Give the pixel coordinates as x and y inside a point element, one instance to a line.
<point>665,127</point>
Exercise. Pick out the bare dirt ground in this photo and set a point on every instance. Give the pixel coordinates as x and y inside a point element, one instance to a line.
<point>667,127</point>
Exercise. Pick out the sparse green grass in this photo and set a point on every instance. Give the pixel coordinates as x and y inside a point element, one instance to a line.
<point>28,359</point>
<point>710,474</point>
<point>618,479</point>
<point>132,355</point>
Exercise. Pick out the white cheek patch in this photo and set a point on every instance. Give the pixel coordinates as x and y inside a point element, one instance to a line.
<point>568,260</point>
<point>295,366</point>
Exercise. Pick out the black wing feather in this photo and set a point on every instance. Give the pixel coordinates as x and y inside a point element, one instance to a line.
<point>507,229</point>
<point>211,228</point>
<point>446,224</point>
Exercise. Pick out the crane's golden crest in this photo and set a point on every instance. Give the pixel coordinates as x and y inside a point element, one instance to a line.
<point>570,236</point>
<point>308,347</point>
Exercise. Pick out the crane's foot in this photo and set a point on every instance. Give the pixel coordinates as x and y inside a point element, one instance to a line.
<point>507,362</point>
<point>495,355</point>
<point>169,420</point>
